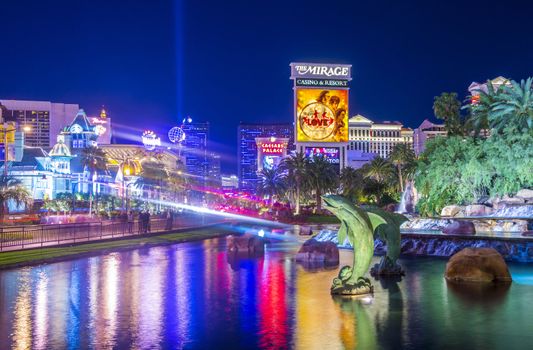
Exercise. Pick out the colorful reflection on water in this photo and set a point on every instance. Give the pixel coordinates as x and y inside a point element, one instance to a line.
<point>195,295</point>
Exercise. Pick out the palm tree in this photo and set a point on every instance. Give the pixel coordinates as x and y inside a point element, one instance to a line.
<point>153,175</point>
<point>94,159</point>
<point>272,183</point>
<point>352,183</point>
<point>402,156</point>
<point>448,108</point>
<point>480,110</point>
<point>322,178</point>
<point>513,107</point>
<point>12,189</point>
<point>379,170</point>
<point>296,165</point>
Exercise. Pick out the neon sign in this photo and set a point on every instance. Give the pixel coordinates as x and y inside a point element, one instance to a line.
<point>150,140</point>
<point>273,148</point>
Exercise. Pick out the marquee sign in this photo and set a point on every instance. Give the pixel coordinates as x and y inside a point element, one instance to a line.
<point>273,148</point>
<point>321,82</point>
<point>270,151</point>
<point>321,71</point>
<point>321,115</point>
<point>331,154</point>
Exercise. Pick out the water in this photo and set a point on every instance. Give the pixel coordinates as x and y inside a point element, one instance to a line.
<point>191,296</point>
<point>408,199</point>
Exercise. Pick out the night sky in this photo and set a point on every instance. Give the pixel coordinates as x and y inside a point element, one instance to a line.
<point>152,62</point>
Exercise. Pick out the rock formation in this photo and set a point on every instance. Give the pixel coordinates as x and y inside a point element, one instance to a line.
<point>313,251</point>
<point>477,265</point>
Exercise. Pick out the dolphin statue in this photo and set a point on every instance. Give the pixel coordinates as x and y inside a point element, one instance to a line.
<point>358,226</point>
<point>390,234</point>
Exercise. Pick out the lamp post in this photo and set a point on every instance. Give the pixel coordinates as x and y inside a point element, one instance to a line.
<point>125,172</point>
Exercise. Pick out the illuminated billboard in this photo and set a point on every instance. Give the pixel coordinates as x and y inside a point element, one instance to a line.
<point>332,154</point>
<point>270,151</point>
<point>321,115</point>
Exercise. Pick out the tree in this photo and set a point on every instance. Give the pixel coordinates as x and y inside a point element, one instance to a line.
<point>296,166</point>
<point>11,189</point>
<point>403,157</point>
<point>479,110</point>
<point>513,107</point>
<point>448,108</point>
<point>379,169</point>
<point>352,184</point>
<point>322,178</point>
<point>94,160</point>
<point>272,183</point>
<point>452,171</point>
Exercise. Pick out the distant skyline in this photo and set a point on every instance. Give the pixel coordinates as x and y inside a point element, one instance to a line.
<point>153,63</point>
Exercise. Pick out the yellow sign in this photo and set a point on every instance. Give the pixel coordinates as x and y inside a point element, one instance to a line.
<point>10,133</point>
<point>321,115</point>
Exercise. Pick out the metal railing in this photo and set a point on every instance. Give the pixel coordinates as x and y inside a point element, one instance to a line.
<point>35,236</point>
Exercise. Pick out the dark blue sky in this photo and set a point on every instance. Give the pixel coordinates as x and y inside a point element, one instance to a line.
<point>227,61</point>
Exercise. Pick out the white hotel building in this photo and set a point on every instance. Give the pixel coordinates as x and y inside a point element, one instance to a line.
<point>368,139</point>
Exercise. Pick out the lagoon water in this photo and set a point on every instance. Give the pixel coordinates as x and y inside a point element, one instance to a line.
<point>193,296</point>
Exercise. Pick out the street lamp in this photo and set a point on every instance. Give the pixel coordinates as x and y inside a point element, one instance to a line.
<point>125,172</point>
<point>6,145</point>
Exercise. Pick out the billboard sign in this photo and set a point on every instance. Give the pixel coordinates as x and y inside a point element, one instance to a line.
<point>11,128</point>
<point>321,71</point>
<point>332,154</point>
<point>322,115</point>
<point>270,151</point>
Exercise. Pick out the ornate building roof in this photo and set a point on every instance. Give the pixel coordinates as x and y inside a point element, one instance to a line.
<point>60,149</point>
<point>80,124</point>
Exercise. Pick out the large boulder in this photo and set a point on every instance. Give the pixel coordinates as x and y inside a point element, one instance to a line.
<point>477,265</point>
<point>246,243</point>
<point>451,210</point>
<point>313,251</point>
<point>525,194</point>
<point>477,210</point>
<point>459,227</point>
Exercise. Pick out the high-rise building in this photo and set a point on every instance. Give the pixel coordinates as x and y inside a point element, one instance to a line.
<point>378,138</point>
<point>195,148</point>
<point>229,182</point>
<point>475,88</point>
<point>45,119</point>
<point>426,131</point>
<point>213,171</point>
<point>247,148</point>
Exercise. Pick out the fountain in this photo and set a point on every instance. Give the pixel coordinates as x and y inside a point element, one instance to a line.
<point>409,199</point>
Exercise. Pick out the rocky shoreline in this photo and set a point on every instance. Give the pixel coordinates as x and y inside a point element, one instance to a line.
<point>424,244</point>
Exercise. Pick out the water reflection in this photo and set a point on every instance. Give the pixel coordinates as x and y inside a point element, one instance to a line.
<point>196,296</point>
<point>22,329</point>
<point>357,331</point>
<point>41,312</point>
<point>485,294</point>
